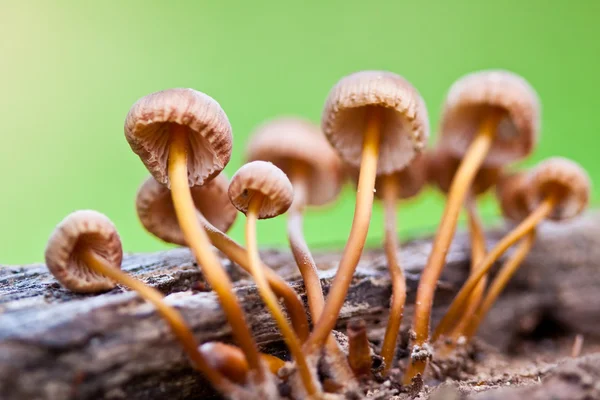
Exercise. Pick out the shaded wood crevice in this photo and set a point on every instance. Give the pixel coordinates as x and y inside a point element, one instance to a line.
<point>59,345</point>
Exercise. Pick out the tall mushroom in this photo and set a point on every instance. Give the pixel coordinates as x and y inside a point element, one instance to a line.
<point>557,189</point>
<point>184,138</point>
<point>261,190</point>
<point>377,122</point>
<point>489,117</point>
<point>216,214</point>
<point>84,254</point>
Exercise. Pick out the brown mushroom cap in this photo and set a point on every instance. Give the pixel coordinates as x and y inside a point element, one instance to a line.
<point>156,212</point>
<point>265,178</point>
<point>511,192</point>
<point>291,141</point>
<point>442,166</point>
<point>474,96</point>
<point>147,129</point>
<point>563,178</point>
<point>80,231</point>
<point>404,124</point>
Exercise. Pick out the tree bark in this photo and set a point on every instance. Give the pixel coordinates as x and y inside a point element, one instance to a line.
<point>59,345</point>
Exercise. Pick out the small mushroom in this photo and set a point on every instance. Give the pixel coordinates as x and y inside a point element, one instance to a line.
<point>556,189</point>
<point>377,122</point>
<point>261,190</point>
<point>441,168</point>
<point>84,254</point>
<point>216,214</point>
<point>184,138</point>
<point>489,117</point>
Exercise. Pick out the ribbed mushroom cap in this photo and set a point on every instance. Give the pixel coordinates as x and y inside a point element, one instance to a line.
<point>150,121</point>
<point>156,212</point>
<point>265,178</point>
<point>563,178</point>
<point>404,124</point>
<point>442,166</point>
<point>511,192</point>
<point>289,141</point>
<point>79,231</point>
<point>472,98</point>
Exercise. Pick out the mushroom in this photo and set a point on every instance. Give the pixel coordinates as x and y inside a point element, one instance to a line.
<point>261,190</point>
<point>441,168</point>
<point>557,189</point>
<point>84,254</point>
<point>359,349</point>
<point>184,138</point>
<point>489,117</point>
<point>377,122</point>
<point>216,214</point>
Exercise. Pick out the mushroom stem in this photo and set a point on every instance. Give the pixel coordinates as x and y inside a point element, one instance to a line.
<point>359,351</point>
<point>543,210</point>
<point>198,241</point>
<point>176,322</point>
<point>463,179</point>
<point>500,282</point>
<point>358,234</point>
<point>477,253</point>
<point>269,298</point>
<point>388,348</point>
<point>236,253</point>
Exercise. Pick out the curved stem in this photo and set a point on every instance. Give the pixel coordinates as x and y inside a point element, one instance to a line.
<point>176,322</point>
<point>431,273</point>
<point>388,348</point>
<point>477,253</point>
<point>239,255</point>
<point>501,280</point>
<point>358,235</point>
<point>524,228</point>
<point>196,238</point>
<point>270,300</point>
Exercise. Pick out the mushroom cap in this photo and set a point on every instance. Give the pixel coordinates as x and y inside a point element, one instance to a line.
<point>563,178</point>
<point>290,141</point>
<point>265,178</point>
<point>511,192</point>
<point>156,212</point>
<point>442,166</point>
<point>148,131</point>
<point>474,96</point>
<point>404,120</point>
<point>82,230</point>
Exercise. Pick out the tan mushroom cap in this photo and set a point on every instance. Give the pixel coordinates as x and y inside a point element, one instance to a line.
<point>474,96</point>
<point>293,141</point>
<point>265,178</point>
<point>442,166</point>
<point>511,192</point>
<point>148,130</point>
<point>404,125</point>
<point>82,230</point>
<point>156,212</point>
<point>563,178</point>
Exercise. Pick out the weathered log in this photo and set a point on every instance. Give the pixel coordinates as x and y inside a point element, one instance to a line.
<point>59,345</point>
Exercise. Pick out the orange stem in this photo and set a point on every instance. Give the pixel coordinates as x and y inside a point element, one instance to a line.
<point>359,351</point>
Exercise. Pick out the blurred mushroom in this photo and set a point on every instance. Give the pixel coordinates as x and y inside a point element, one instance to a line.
<point>184,139</point>
<point>84,254</point>
<point>216,214</point>
<point>556,189</point>
<point>377,122</point>
<point>261,190</point>
<point>489,117</point>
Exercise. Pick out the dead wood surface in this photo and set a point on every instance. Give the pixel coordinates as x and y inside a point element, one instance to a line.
<point>58,345</point>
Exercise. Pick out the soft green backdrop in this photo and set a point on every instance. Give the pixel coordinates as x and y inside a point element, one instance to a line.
<point>70,70</point>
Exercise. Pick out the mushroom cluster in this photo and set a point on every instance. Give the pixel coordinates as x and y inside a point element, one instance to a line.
<point>374,132</point>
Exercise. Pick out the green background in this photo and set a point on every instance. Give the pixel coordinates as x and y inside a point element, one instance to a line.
<point>69,71</point>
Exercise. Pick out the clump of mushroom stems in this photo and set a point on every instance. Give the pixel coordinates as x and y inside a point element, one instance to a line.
<point>200,245</point>
<point>463,179</point>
